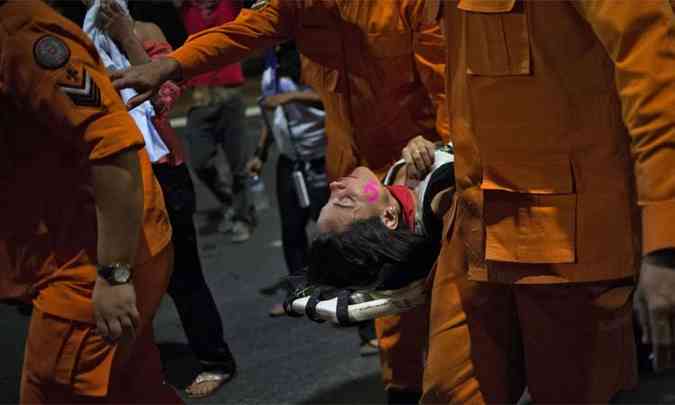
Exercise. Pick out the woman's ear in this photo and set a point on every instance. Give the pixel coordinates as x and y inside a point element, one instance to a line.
<point>390,217</point>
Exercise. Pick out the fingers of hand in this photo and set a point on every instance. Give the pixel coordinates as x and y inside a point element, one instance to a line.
<point>431,152</point>
<point>138,99</point>
<point>418,161</point>
<point>135,317</point>
<point>407,157</point>
<point>115,329</point>
<point>643,317</point>
<point>427,157</point>
<point>115,74</point>
<point>115,7</point>
<point>101,325</point>
<point>661,331</point>
<point>120,79</point>
<point>128,326</point>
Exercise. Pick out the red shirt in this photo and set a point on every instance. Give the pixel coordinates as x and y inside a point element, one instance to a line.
<point>196,19</point>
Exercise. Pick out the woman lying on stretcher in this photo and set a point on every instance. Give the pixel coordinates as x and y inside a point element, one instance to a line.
<point>378,240</point>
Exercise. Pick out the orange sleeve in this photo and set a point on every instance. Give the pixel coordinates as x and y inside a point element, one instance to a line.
<point>271,23</point>
<point>61,79</point>
<point>429,48</point>
<point>640,38</point>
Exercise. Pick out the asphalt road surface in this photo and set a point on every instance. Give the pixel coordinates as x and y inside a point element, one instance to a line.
<point>281,360</point>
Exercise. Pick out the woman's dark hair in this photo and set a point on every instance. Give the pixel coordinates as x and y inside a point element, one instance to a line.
<point>370,255</point>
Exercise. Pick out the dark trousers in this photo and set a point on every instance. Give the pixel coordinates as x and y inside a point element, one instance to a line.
<point>221,125</point>
<point>196,308</point>
<point>294,218</point>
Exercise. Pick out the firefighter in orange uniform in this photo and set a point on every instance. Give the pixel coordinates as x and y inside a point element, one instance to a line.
<point>562,115</point>
<point>84,228</point>
<point>380,77</point>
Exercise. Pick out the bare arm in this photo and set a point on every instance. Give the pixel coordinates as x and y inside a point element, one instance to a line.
<point>120,27</point>
<point>134,50</point>
<point>255,164</point>
<point>309,97</point>
<point>264,143</point>
<point>118,193</point>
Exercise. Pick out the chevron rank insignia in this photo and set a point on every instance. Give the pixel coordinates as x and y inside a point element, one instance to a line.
<point>84,92</point>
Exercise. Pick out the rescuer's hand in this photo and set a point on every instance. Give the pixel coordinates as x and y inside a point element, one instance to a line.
<point>419,155</point>
<point>655,304</point>
<point>254,166</point>
<point>115,310</point>
<point>145,79</point>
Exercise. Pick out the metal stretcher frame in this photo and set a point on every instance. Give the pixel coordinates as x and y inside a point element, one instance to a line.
<point>379,304</point>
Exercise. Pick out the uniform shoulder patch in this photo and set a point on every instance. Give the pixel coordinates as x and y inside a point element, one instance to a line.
<point>51,52</point>
<point>260,4</point>
<point>83,92</point>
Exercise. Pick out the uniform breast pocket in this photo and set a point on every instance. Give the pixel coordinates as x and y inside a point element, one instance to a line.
<point>391,67</point>
<point>497,37</point>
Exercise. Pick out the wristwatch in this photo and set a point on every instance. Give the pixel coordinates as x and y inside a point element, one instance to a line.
<point>114,273</point>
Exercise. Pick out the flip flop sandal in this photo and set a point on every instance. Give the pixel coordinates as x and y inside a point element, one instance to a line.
<point>207,377</point>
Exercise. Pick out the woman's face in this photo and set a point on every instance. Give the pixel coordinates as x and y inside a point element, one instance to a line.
<point>358,196</point>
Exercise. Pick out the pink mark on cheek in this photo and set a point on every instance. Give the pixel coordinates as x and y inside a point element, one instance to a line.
<point>372,192</point>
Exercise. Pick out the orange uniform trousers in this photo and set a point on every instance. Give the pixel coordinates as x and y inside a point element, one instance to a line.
<point>66,362</point>
<point>567,343</point>
<point>402,341</point>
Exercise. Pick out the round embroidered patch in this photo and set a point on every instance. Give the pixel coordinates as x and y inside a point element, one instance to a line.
<point>50,52</point>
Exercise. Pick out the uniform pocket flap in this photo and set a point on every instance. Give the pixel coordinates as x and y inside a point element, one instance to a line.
<point>530,228</point>
<point>549,176</point>
<point>486,6</point>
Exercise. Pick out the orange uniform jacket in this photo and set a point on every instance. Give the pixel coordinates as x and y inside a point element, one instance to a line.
<point>369,63</point>
<point>58,114</point>
<point>563,119</point>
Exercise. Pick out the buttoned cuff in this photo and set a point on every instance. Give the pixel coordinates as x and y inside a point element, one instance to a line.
<point>657,226</point>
